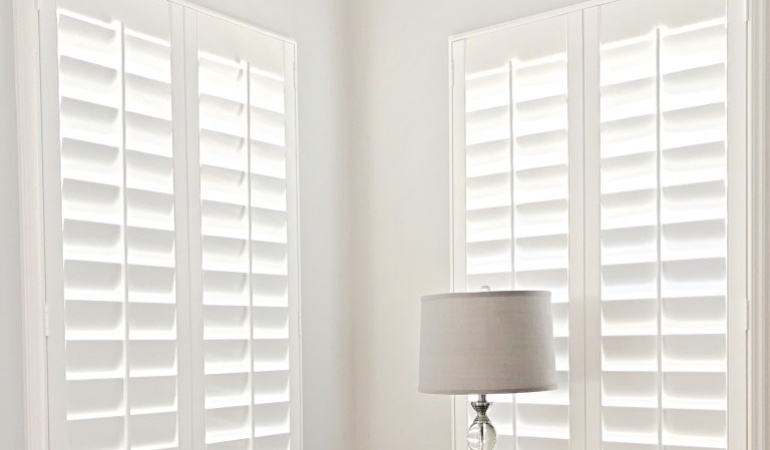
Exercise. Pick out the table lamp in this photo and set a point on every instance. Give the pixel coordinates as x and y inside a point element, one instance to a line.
<point>486,343</point>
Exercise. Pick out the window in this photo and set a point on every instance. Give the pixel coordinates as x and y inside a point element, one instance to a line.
<point>171,221</point>
<point>599,153</point>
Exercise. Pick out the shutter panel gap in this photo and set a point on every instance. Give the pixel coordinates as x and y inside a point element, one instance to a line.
<point>250,255</point>
<point>512,168</point>
<point>659,231</point>
<point>126,309</point>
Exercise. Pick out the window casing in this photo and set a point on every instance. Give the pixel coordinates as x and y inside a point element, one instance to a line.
<point>171,229</point>
<point>603,158</point>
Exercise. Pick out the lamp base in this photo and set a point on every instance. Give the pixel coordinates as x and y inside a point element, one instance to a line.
<point>481,434</point>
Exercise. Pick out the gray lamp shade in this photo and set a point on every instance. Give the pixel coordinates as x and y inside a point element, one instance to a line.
<point>487,343</point>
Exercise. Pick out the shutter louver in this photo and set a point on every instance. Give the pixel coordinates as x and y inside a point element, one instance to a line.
<point>540,229</point>
<point>629,243</point>
<point>225,244</point>
<point>118,230</point>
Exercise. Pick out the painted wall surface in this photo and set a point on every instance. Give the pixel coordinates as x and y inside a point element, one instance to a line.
<point>317,26</point>
<point>401,191</point>
<point>11,401</point>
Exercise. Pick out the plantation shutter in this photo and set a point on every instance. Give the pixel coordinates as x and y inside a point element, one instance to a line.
<point>516,204</point>
<point>171,248</point>
<point>664,224</point>
<point>614,177</point>
<point>243,98</point>
<point>114,343</point>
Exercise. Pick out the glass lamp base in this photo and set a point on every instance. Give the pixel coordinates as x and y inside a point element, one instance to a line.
<point>481,434</point>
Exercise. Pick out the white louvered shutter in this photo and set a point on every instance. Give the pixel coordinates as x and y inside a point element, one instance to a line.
<point>118,232</point>
<point>664,225</point>
<point>244,152</point>
<point>600,154</point>
<point>516,201</point>
<point>171,229</point>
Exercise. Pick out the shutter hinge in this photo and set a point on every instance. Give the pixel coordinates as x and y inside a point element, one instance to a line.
<point>47,322</point>
<point>748,316</point>
<point>747,10</point>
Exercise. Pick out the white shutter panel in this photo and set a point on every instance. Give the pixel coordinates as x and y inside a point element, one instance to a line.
<point>540,227</point>
<point>663,220</point>
<point>246,208</point>
<point>118,234</point>
<point>516,200</point>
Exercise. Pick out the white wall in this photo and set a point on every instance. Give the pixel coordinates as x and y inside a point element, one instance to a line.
<point>400,163</point>
<point>317,25</point>
<point>11,423</point>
